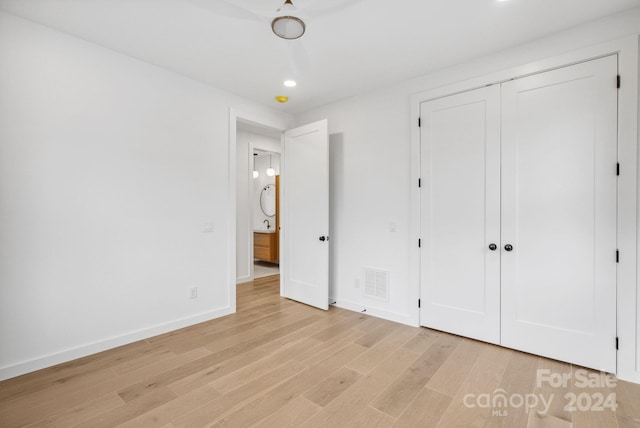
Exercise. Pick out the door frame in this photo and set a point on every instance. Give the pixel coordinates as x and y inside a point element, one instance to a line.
<point>628,295</point>
<point>261,120</point>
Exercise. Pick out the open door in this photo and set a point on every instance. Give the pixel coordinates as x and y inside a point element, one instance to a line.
<point>304,215</point>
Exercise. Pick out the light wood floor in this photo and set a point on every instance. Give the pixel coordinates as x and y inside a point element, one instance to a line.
<point>277,363</point>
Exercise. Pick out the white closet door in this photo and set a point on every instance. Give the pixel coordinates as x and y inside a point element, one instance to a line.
<point>460,198</point>
<point>559,154</point>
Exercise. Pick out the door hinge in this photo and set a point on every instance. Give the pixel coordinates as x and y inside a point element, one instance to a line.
<point>617,343</point>
<point>418,302</point>
<point>618,168</point>
<point>419,182</point>
<point>617,256</point>
<point>419,123</point>
<point>618,81</point>
<point>419,243</point>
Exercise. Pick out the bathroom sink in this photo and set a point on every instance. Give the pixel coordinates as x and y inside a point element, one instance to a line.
<point>264,230</point>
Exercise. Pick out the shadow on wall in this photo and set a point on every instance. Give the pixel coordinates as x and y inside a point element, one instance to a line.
<point>336,195</point>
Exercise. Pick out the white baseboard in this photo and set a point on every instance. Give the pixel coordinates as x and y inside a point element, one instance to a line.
<point>633,377</point>
<point>242,279</point>
<point>376,312</point>
<point>45,361</point>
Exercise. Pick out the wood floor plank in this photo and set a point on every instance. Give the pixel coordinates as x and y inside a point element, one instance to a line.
<point>628,397</point>
<point>381,350</point>
<point>74,415</point>
<point>322,351</point>
<point>214,410</point>
<point>216,371</point>
<point>464,410</point>
<point>455,369</point>
<point>291,415</point>
<point>377,334</point>
<point>372,418</point>
<point>544,420</point>
<point>519,379</point>
<point>495,353</point>
<point>422,341</point>
<point>232,339</point>
<point>130,410</point>
<point>161,354</point>
<point>342,411</point>
<point>31,408</point>
<point>65,373</point>
<point>287,317</point>
<point>330,332</point>
<point>328,389</point>
<point>590,417</point>
<point>254,370</point>
<point>205,363</point>
<point>398,396</point>
<point>552,395</point>
<point>425,410</point>
<point>256,410</point>
<point>165,413</point>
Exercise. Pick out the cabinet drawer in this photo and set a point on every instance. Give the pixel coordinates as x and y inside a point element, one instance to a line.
<point>263,253</point>
<point>262,239</point>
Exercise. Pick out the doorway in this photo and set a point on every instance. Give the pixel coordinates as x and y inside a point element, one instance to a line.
<point>265,209</point>
<point>257,213</point>
<point>305,200</point>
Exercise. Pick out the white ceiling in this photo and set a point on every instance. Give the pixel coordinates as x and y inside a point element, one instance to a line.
<point>351,46</point>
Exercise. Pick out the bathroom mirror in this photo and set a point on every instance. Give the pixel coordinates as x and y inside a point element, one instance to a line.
<point>268,200</point>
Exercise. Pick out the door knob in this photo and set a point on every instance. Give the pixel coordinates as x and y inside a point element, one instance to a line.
<point>322,238</point>
<point>493,247</point>
<point>508,247</point>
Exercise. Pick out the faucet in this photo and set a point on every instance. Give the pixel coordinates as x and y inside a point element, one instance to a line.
<point>268,225</point>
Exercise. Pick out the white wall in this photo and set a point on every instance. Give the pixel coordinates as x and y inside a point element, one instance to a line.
<point>372,164</point>
<point>248,211</point>
<point>109,170</point>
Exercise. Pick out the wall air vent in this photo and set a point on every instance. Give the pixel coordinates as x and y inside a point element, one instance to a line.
<point>376,283</point>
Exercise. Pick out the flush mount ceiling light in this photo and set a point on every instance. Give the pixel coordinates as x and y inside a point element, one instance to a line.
<point>290,83</point>
<point>288,26</point>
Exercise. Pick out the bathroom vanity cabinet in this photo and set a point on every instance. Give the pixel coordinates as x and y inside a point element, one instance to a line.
<point>265,245</point>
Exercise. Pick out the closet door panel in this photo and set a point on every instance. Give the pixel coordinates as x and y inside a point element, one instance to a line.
<point>559,153</point>
<point>460,205</point>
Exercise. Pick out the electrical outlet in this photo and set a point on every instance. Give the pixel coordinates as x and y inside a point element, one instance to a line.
<point>393,226</point>
<point>193,293</point>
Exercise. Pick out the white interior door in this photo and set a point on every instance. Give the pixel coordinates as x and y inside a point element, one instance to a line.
<point>460,198</point>
<point>304,215</point>
<point>559,154</point>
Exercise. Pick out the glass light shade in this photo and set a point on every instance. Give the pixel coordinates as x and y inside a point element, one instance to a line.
<point>256,174</point>
<point>288,27</point>
<point>271,172</point>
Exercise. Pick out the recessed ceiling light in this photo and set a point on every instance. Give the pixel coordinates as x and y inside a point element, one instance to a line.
<point>289,83</point>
